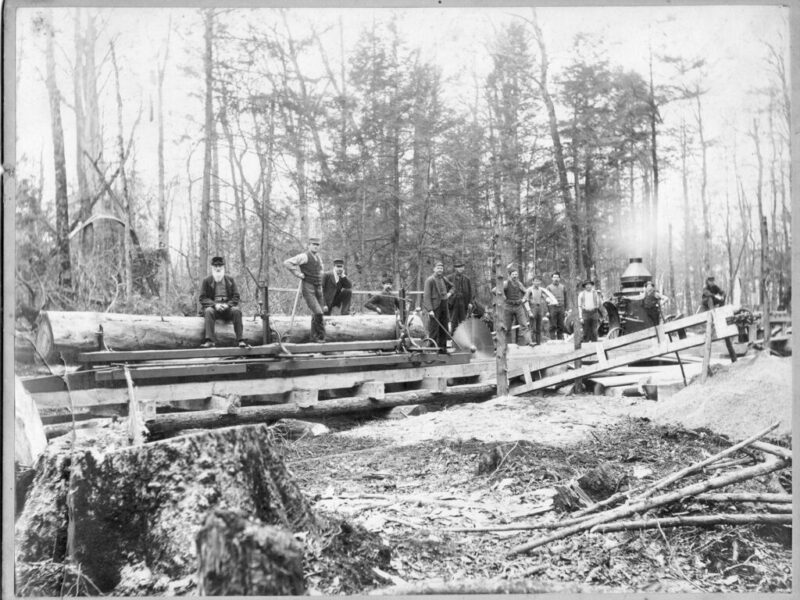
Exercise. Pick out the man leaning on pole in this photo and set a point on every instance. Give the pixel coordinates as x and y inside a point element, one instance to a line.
<point>308,267</point>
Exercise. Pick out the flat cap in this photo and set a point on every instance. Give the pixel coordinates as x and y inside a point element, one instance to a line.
<point>217,261</point>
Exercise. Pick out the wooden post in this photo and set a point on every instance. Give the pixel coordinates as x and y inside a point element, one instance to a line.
<point>707,348</point>
<point>136,426</point>
<point>499,319</point>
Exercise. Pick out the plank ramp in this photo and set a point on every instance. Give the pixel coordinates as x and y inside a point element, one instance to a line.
<point>660,340</point>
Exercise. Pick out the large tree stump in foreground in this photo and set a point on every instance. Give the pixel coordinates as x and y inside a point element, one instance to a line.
<point>146,504</point>
<point>61,333</point>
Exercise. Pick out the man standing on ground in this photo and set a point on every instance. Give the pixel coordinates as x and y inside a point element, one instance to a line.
<point>515,307</point>
<point>336,289</point>
<point>559,309</point>
<point>461,301</point>
<point>219,298</point>
<point>589,302</point>
<point>537,298</point>
<point>437,292</point>
<point>385,303</point>
<point>308,267</point>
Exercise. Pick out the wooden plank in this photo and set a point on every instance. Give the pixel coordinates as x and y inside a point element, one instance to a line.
<point>139,373</point>
<point>262,350</point>
<point>192,390</point>
<point>597,368</point>
<point>709,336</point>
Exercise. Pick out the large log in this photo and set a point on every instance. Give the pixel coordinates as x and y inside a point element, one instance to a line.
<point>61,333</point>
<point>172,422</point>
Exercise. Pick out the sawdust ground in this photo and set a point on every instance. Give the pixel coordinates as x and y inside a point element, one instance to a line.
<point>739,400</point>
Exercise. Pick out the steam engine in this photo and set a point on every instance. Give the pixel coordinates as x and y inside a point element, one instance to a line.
<point>625,311</point>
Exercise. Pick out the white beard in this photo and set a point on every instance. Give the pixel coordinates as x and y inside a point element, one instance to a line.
<point>218,278</point>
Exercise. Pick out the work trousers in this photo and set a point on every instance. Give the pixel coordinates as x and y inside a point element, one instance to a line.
<point>654,314</point>
<point>458,312</point>
<point>537,312</point>
<point>591,322</point>
<point>342,301</point>
<point>517,312</point>
<point>232,313</point>
<point>312,294</point>
<point>437,331</point>
<point>557,328</point>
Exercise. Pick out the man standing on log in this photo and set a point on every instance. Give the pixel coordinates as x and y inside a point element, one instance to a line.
<point>337,289</point>
<point>308,267</point>
<point>515,306</point>
<point>558,310</point>
<point>385,303</point>
<point>437,292</point>
<point>219,298</point>
<point>461,301</point>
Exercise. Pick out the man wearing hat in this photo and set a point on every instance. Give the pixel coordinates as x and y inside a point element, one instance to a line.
<point>713,296</point>
<point>515,306</point>
<point>385,303</point>
<point>559,309</point>
<point>537,299</point>
<point>308,267</point>
<point>437,291</point>
<point>336,289</point>
<point>461,300</point>
<point>219,298</point>
<point>589,303</point>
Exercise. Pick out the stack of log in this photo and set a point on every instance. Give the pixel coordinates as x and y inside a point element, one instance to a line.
<point>619,511</point>
<point>62,335</point>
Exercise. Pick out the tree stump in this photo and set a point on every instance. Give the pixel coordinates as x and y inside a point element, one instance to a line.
<point>147,503</point>
<point>241,557</point>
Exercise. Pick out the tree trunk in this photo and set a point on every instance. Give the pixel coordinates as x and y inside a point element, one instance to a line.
<point>499,314</point>
<point>205,206</point>
<point>69,333</point>
<point>170,423</point>
<point>163,229</point>
<point>687,221</point>
<point>147,503</point>
<point>706,257</point>
<point>763,263</point>
<point>127,258</point>
<point>653,224</point>
<point>62,206</point>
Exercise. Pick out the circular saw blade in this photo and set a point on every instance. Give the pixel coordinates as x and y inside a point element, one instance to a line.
<point>474,333</point>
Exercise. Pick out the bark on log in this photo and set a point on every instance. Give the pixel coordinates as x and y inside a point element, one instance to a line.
<point>145,504</point>
<point>68,333</point>
<point>485,586</point>
<point>238,556</point>
<point>168,423</point>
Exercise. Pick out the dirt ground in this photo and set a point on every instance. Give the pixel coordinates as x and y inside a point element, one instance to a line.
<point>413,481</point>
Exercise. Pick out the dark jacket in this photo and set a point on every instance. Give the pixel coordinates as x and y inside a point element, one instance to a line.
<point>208,287</point>
<point>388,303</point>
<point>330,288</point>
<point>431,298</point>
<point>462,291</point>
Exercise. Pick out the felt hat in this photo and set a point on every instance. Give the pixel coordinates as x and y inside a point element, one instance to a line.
<point>217,261</point>
<point>588,282</point>
<point>338,261</point>
<point>458,263</point>
<point>386,280</point>
<point>437,263</point>
<point>313,240</point>
<point>511,268</point>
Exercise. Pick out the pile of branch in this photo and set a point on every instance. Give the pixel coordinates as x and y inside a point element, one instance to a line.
<point>775,507</point>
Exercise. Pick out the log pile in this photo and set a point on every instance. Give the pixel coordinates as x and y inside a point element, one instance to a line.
<point>617,512</point>
<point>62,335</point>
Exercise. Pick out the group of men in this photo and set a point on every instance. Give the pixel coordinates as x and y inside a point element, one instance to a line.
<point>447,301</point>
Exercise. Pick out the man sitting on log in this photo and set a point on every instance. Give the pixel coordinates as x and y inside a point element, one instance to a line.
<point>308,267</point>
<point>219,298</point>
<point>713,296</point>
<point>385,303</point>
<point>336,289</point>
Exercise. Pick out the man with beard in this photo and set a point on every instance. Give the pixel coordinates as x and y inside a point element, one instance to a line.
<point>461,301</point>
<point>308,267</point>
<point>219,298</point>
<point>436,293</point>
<point>559,309</point>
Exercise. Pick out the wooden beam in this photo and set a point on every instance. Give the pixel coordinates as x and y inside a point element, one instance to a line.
<point>169,423</point>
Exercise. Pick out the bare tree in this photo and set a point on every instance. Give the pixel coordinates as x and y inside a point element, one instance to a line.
<point>208,70</point>
<point>163,230</point>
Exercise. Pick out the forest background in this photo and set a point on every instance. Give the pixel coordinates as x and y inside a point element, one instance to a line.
<point>571,139</point>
